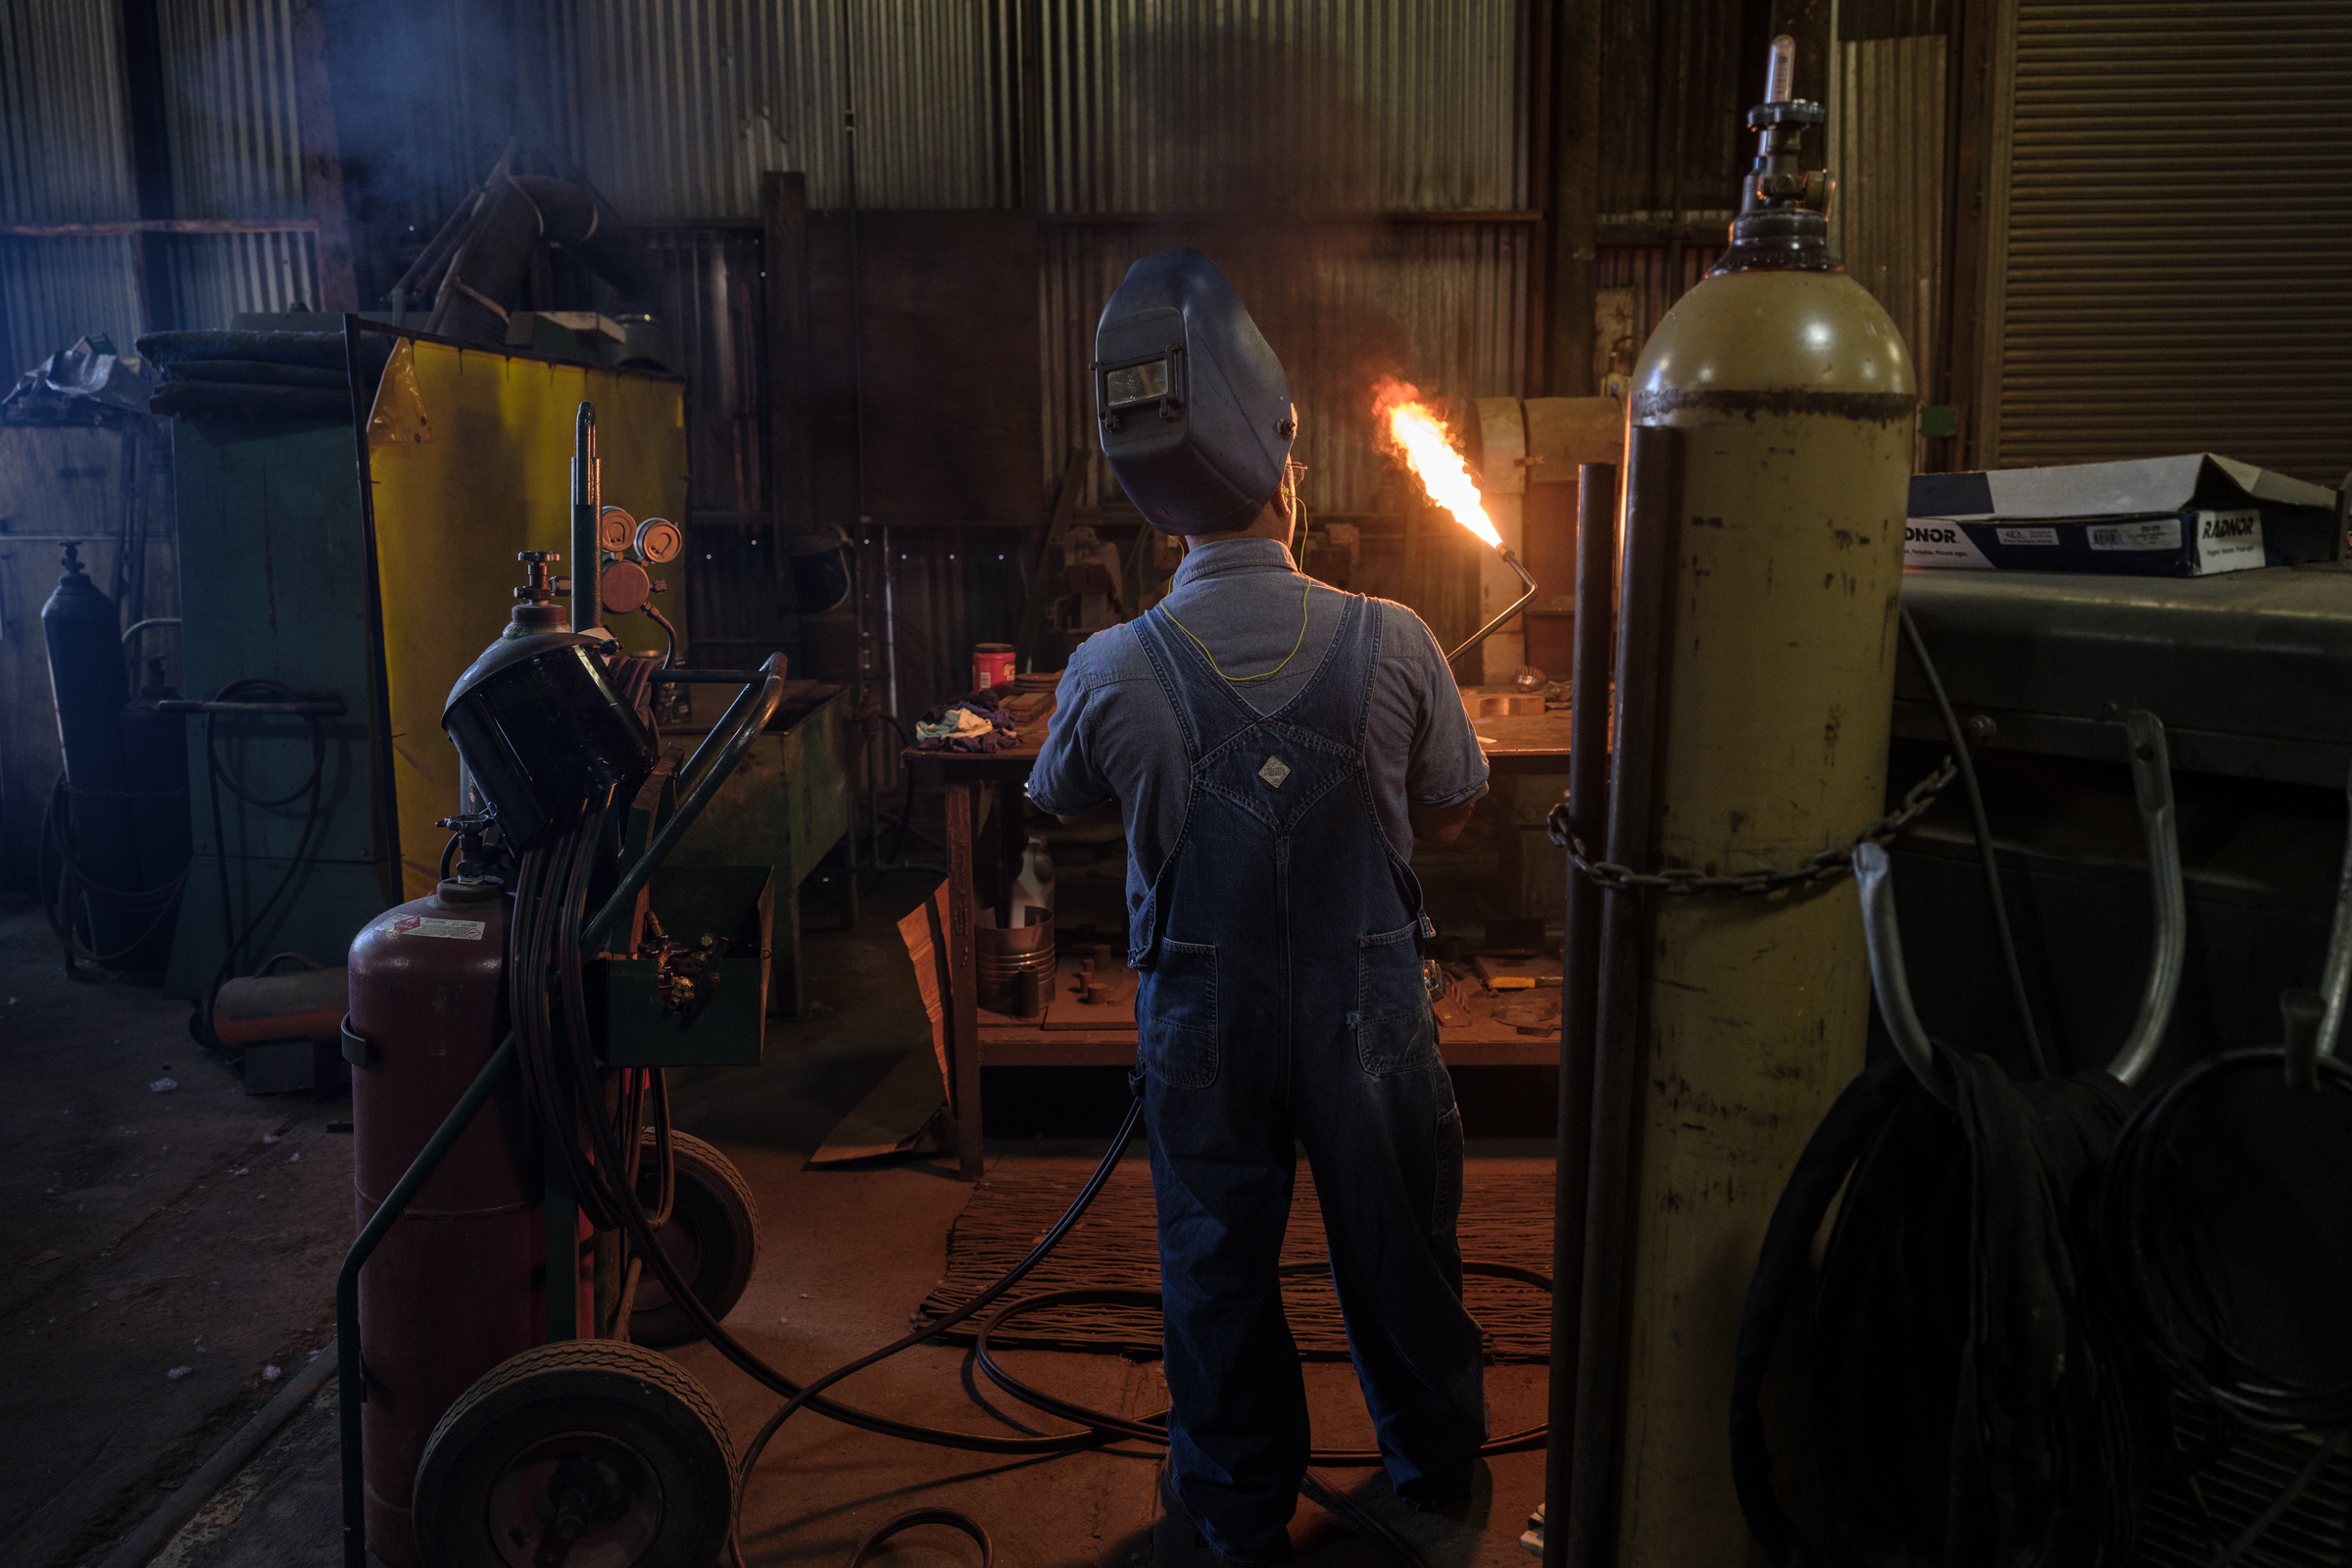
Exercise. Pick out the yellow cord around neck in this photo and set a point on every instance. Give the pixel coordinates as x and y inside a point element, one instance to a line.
<point>1239,680</point>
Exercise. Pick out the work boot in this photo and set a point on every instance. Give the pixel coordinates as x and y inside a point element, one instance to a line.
<point>1177,1543</point>
<point>1442,1517</point>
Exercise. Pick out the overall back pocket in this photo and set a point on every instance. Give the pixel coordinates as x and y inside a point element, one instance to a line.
<point>1395,1030</point>
<point>1176,1016</point>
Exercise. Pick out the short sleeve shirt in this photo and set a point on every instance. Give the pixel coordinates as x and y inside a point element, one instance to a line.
<point>1114,734</point>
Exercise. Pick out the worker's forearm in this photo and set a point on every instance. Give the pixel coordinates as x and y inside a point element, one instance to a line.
<point>1108,811</point>
<point>1439,828</point>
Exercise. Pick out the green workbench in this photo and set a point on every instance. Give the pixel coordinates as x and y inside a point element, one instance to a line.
<point>786,804</point>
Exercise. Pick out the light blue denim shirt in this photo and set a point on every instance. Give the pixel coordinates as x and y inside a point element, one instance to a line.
<point>1115,735</point>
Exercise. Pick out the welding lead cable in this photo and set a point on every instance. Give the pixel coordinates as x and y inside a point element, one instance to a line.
<point>632,1214</point>
<point>567,919</point>
<point>1958,740</point>
<point>1153,1428</point>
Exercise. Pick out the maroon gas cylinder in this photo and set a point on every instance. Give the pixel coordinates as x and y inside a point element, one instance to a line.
<point>459,1284</point>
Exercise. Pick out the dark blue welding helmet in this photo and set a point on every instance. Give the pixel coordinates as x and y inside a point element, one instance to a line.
<point>1193,409</point>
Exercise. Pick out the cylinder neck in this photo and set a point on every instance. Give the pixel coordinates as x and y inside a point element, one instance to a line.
<point>1784,210</point>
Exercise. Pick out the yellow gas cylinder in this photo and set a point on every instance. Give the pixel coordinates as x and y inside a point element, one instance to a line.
<point>1793,399</point>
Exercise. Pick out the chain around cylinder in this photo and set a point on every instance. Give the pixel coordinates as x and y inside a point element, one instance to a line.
<point>1825,867</point>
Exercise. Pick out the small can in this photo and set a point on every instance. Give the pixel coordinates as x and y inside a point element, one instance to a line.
<point>991,665</point>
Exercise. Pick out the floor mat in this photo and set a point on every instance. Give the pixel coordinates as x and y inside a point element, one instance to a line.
<point>1507,1218</point>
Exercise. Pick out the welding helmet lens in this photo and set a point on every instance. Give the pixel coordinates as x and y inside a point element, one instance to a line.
<point>1192,405</point>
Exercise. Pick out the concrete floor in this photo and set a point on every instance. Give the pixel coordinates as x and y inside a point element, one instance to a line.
<point>198,1228</point>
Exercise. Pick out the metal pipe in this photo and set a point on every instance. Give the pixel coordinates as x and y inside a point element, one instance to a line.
<point>1650,540</point>
<point>708,677</point>
<point>1517,604</point>
<point>347,1287</point>
<point>1889,980</point>
<point>138,626</point>
<point>2152,785</point>
<point>2337,979</point>
<point>624,892</point>
<point>587,496</point>
<point>1588,819</point>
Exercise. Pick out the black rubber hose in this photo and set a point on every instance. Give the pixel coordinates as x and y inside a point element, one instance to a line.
<point>217,774</point>
<point>2160,1272</point>
<point>1958,739</point>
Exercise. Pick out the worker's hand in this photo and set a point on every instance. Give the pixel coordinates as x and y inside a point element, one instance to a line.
<point>1441,827</point>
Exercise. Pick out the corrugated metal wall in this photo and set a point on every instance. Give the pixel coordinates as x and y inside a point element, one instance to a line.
<point>1282,106</point>
<point>1281,130</point>
<point>1443,305</point>
<point>1887,143</point>
<point>235,143</point>
<point>63,160</point>
<point>677,107</point>
<point>2173,209</point>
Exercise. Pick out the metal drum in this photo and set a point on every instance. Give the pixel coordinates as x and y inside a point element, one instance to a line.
<point>1002,955</point>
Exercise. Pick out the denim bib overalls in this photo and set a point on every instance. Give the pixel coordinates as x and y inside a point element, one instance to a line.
<point>1280,1005</point>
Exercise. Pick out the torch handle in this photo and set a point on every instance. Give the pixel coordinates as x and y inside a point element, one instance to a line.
<point>1516,606</point>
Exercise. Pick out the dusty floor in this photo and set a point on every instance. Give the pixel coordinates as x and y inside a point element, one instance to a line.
<point>197,1228</point>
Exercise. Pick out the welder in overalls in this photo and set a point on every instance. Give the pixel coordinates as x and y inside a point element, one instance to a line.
<point>1277,748</point>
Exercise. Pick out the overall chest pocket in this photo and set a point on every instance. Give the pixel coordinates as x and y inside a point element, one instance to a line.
<point>1395,1030</point>
<point>1176,1016</point>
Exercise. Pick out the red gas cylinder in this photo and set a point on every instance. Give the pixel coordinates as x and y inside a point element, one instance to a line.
<point>459,1284</point>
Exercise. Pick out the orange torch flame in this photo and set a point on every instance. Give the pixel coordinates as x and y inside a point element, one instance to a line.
<point>1410,430</point>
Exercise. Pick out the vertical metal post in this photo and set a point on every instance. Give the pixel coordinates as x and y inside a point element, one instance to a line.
<point>963,1001</point>
<point>587,503</point>
<point>1652,533</point>
<point>1588,817</point>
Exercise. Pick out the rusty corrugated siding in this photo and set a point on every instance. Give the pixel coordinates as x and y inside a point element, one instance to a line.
<point>1885,143</point>
<point>677,107</point>
<point>1441,305</point>
<point>1282,106</point>
<point>2176,203</point>
<point>63,160</point>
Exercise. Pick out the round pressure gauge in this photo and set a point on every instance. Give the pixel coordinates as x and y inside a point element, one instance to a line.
<point>659,541</point>
<point>623,588</point>
<point>614,526</point>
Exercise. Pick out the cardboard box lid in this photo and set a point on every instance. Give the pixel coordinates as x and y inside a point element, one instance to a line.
<point>2137,489</point>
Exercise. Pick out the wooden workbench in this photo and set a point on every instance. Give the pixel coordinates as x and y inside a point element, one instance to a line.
<point>1068,1036</point>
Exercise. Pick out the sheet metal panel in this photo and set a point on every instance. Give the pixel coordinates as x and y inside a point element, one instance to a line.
<point>1280,105</point>
<point>63,159</point>
<point>2177,196</point>
<point>677,107</point>
<point>1441,305</point>
<point>1886,140</point>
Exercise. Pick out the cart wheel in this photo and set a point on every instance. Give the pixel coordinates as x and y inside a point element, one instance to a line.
<point>587,1453</point>
<point>712,1236</point>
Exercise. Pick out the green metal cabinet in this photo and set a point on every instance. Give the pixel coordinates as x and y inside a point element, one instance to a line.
<point>273,584</point>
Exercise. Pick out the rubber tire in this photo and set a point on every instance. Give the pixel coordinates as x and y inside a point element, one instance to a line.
<point>715,1203</point>
<point>625,1391</point>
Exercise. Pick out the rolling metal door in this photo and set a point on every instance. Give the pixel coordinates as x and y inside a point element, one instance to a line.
<point>2173,180</point>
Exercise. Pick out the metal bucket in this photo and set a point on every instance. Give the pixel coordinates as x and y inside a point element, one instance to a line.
<point>1003,954</point>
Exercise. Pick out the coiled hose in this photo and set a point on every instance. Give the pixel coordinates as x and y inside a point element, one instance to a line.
<point>554,1049</point>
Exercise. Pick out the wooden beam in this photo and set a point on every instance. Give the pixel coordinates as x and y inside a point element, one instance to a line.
<point>784,229</point>
<point>323,163</point>
<point>1574,198</point>
<point>1968,152</point>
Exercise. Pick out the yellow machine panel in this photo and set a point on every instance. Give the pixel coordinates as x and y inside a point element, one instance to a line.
<point>470,453</point>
